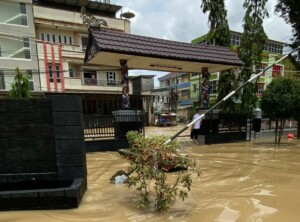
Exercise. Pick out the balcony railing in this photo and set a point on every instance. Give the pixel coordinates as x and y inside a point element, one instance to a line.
<point>100,82</point>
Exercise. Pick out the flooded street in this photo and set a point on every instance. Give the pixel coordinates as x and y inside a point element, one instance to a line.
<point>245,181</point>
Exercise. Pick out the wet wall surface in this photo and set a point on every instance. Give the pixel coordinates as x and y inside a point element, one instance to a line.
<point>245,181</point>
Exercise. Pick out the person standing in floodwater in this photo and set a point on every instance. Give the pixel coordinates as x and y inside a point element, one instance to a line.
<point>195,129</point>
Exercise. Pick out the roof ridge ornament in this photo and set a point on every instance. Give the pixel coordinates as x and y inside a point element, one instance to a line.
<point>90,20</point>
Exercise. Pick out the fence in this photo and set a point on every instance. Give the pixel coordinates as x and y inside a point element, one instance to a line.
<point>111,126</point>
<point>223,127</point>
<point>267,124</point>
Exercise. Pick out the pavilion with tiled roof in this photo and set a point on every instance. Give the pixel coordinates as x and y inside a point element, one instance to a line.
<point>113,49</point>
<point>108,47</point>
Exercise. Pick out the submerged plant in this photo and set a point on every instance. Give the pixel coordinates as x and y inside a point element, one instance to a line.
<point>150,159</point>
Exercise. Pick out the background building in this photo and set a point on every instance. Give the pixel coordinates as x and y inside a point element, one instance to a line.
<point>62,39</point>
<point>17,43</point>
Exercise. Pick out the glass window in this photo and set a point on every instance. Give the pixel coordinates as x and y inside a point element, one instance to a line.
<point>23,8</point>
<point>31,85</point>
<point>57,72</point>
<point>42,36</point>
<point>27,54</point>
<point>50,72</point>
<point>26,42</point>
<point>65,40</point>
<point>59,39</point>
<point>48,37</point>
<point>70,40</point>
<point>53,38</point>
<point>84,42</point>
<point>71,72</point>
<point>213,87</point>
<point>13,12</point>
<point>277,70</point>
<point>260,89</point>
<point>24,21</point>
<point>194,88</point>
<point>111,77</point>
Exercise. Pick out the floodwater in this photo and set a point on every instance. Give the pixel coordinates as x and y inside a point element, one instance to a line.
<point>245,181</point>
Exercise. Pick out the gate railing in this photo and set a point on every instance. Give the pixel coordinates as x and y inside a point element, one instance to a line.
<point>111,126</point>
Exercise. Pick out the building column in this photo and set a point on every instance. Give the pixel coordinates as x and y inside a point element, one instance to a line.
<point>205,87</point>
<point>125,84</point>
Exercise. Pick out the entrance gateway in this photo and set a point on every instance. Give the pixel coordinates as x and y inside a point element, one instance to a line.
<point>124,51</point>
<point>112,49</point>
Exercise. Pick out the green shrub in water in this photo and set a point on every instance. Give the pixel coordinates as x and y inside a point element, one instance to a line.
<point>149,160</point>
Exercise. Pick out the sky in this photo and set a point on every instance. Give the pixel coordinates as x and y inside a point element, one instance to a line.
<point>183,20</point>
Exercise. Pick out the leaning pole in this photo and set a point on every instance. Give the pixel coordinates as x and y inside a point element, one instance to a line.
<point>252,78</point>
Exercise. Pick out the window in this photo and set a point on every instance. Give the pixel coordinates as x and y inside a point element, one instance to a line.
<point>27,54</point>
<point>53,38</point>
<point>213,85</point>
<point>71,72</point>
<point>26,42</point>
<point>277,70</point>
<point>31,85</point>
<point>65,40</point>
<point>260,88</point>
<point>48,37</point>
<point>50,72</point>
<point>70,40</point>
<point>23,8</point>
<point>111,78</point>
<point>184,92</point>
<point>0,51</point>
<point>24,21</point>
<point>57,72</point>
<point>2,81</point>
<point>42,36</point>
<point>263,66</point>
<point>84,42</point>
<point>194,88</point>
<point>59,38</point>
<point>90,77</point>
<point>235,39</point>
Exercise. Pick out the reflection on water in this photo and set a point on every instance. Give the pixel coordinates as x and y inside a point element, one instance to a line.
<point>247,181</point>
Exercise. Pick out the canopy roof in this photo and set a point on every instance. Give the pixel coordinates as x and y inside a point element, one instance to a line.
<point>107,47</point>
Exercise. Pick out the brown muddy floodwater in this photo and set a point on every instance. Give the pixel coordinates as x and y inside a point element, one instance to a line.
<point>245,181</point>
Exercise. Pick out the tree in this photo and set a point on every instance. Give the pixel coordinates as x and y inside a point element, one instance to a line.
<point>253,42</point>
<point>219,34</point>
<point>20,87</point>
<point>281,101</point>
<point>289,11</point>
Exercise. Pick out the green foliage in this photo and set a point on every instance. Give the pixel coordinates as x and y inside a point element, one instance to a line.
<point>20,87</point>
<point>250,51</point>
<point>289,10</point>
<point>133,136</point>
<point>219,32</point>
<point>281,101</point>
<point>227,84</point>
<point>149,160</point>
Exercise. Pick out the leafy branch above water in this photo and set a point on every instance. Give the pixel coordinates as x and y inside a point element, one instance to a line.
<point>149,160</point>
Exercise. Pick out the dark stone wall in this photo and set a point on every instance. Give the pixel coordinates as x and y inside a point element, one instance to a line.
<point>26,140</point>
<point>69,137</point>
<point>42,139</point>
